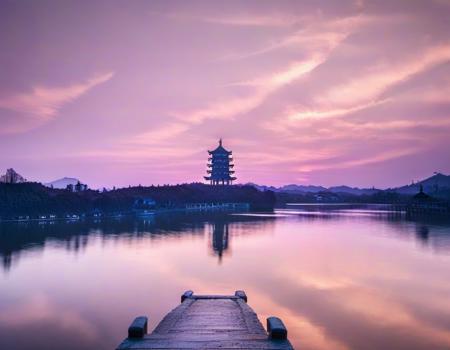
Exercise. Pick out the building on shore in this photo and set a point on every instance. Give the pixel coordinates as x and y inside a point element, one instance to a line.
<point>423,204</point>
<point>220,166</point>
<point>12,177</point>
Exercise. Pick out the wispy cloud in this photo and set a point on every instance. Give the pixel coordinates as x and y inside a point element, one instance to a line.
<point>318,34</point>
<point>367,89</point>
<point>237,19</point>
<point>377,79</point>
<point>289,85</point>
<point>315,114</point>
<point>329,33</point>
<point>263,87</point>
<point>160,134</point>
<point>377,158</point>
<point>436,93</point>
<point>42,103</point>
<point>274,20</point>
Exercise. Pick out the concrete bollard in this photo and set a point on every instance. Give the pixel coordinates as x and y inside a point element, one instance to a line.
<point>276,328</point>
<point>241,294</point>
<point>138,327</point>
<point>187,294</point>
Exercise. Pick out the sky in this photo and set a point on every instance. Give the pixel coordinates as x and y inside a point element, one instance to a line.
<point>309,92</point>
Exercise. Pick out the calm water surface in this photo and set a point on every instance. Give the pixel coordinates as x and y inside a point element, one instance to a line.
<point>340,278</point>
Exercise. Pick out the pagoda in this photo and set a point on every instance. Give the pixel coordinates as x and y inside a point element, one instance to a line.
<point>220,166</point>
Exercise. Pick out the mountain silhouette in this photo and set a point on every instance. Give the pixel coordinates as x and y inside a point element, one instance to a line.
<point>62,183</point>
<point>433,184</point>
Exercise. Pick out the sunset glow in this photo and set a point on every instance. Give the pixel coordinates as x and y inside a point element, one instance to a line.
<point>307,92</point>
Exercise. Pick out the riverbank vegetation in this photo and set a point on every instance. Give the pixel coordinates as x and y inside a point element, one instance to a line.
<point>34,199</point>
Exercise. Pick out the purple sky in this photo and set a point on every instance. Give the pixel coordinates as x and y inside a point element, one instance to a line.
<point>308,92</point>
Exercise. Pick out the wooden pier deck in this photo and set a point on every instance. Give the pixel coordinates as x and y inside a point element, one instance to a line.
<point>209,322</point>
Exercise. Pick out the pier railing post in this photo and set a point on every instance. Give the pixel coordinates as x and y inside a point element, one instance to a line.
<point>241,294</point>
<point>138,327</point>
<point>276,328</point>
<point>187,294</point>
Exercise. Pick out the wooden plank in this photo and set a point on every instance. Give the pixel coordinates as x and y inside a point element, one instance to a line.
<point>229,344</point>
<point>209,322</point>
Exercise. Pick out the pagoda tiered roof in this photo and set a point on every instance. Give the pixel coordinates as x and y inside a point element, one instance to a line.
<point>220,150</point>
<point>220,165</point>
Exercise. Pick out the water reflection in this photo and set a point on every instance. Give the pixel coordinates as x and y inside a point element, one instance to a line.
<point>219,237</point>
<point>340,279</point>
<point>74,236</point>
<point>432,233</point>
<point>423,233</point>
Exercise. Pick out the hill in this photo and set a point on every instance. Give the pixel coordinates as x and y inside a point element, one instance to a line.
<point>353,190</point>
<point>437,185</point>
<point>432,185</point>
<point>34,199</point>
<point>304,189</point>
<point>292,188</point>
<point>62,183</point>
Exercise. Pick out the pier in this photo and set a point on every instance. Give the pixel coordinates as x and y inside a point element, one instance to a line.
<point>209,322</point>
<point>217,206</point>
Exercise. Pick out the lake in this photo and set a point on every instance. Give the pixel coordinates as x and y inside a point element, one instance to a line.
<point>339,277</point>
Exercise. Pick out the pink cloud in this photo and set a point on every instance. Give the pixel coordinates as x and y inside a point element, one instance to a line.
<point>237,19</point>
<point>329,33</point>
<point>372,83</point>
<point>377,158</point>
<point>317,34</point>
<point>42,103</point>
<point>263,87</point>
<point>289,86</point>
<point>305,114</point>
<point>158,135</point>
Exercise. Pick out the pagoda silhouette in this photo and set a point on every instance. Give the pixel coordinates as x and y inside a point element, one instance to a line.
<point>220,165</point>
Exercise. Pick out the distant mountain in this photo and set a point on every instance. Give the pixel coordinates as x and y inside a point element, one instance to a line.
<point>315,189</point>
<point>433,184</point>
<point>301,188</point>
<point>290,188</point>
<point>62,183</point>
<point>353,190</point>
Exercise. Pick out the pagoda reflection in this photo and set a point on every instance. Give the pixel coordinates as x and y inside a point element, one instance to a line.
<point>219,238</point>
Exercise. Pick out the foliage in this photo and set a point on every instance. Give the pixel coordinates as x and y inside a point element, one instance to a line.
<point>35,199</point>
<point>388,197</point>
